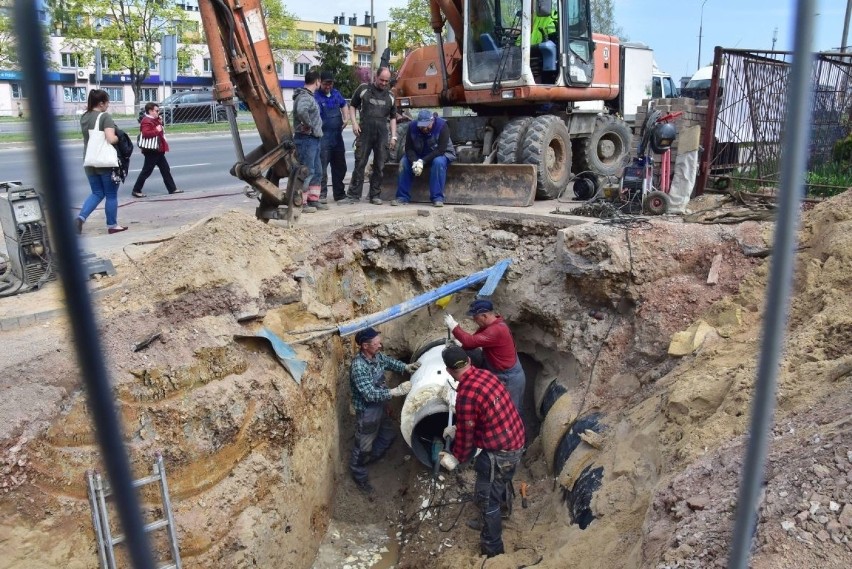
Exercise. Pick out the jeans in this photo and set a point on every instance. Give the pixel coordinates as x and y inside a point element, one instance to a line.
<point>373,137</point>
<point>492,489</point>
<point>102,188</point>
<point>308,150</point>
<point>333,151</point>
<point>437,179</point>
<point>155,159</point>
<point>515,382</point>
<point>374,434</point>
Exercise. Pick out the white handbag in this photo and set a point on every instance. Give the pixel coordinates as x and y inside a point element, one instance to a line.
<point>99,152</point>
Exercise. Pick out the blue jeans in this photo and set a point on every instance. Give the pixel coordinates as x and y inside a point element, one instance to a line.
<point>308,150</point>
<point>437,179</point>
<point>102,188</point>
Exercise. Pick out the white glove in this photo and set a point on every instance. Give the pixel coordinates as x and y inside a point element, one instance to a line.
<point>450,432</point>
<point>401,389</point>
<point>417,167</point>
<point>450,322</point>
<point>412,367</point>
<point>448,461</point>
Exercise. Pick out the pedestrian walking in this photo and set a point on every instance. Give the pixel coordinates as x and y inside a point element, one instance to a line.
<point>103,184</point>
<point>375,108</point>
<point>334,111</point>
<point>485,419</point>
<point>427,145</point>
<point>307,125</point>
<point>152,142</point>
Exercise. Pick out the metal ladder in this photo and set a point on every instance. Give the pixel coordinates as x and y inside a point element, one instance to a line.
<point>99,491</point>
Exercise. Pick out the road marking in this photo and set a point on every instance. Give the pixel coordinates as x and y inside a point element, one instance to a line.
<point>180,166</point>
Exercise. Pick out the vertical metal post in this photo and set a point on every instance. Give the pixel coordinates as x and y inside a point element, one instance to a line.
<point>160,470</point>
<point>709,126</point>
<point>795,149</point>
<point>843,44</point>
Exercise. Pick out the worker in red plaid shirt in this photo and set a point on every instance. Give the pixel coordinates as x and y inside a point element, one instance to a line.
<point>486,419</point>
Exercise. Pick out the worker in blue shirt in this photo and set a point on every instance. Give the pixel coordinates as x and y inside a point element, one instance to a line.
<point>427,145</point>
<point>334,111</point>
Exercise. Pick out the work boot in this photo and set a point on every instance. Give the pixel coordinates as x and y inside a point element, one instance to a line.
<point>364,486</point>
<point>323,200</point>
<point>309,209</point>
<point>348,201</point>
<point>399,202</point>
<point>438,204</point>
<point>475,524</point>
<point>320,205</point>
<point>376,201</point>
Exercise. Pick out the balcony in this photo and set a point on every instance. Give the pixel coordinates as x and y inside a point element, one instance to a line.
<point>362,49</point>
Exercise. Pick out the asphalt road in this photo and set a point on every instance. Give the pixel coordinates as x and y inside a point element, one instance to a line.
<point>198,163</point>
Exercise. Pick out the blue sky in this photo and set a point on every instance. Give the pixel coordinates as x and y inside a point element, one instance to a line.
<point>670,27</point>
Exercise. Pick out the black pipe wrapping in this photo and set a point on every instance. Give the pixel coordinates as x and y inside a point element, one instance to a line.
<point>579,498</point>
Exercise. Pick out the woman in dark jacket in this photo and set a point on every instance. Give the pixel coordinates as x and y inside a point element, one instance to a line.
<point>152,129</point>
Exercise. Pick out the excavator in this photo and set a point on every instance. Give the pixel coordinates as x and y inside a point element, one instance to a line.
<point>543,89</point>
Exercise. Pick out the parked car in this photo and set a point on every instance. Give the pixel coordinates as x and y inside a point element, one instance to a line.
<point>190,106</point>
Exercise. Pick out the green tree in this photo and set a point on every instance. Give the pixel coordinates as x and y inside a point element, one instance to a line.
<point>128,32</point>
<point>411,26</point>
<point>603,19</point>
<point>8,46</point>
<point>284,38</point>
<point>333,55</point>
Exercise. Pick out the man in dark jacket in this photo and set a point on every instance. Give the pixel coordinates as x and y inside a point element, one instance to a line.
<point>307,126</point>
<point>427,144</point>
<point>334,111</point>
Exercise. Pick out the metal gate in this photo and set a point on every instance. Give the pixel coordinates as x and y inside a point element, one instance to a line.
<point>746,110</point>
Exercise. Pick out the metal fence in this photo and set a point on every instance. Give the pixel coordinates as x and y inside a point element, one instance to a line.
<point>746,110</point>
<point>190,113</point>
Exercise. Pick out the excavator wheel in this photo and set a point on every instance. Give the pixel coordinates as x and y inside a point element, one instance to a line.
<point>547,145</point>
<point>509,143</point>
<point>603,152</point>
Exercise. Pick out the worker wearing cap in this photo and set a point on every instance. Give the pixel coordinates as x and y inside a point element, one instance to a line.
<point>427,145</point>
<point>374,432</point>
<point>334,111</point>
<point>486,419</point>
<point>498,347</point>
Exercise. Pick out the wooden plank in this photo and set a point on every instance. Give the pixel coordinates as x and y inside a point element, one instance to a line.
<point>713,276</point>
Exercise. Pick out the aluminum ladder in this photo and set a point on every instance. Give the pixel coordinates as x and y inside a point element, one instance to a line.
<point>99,491</point>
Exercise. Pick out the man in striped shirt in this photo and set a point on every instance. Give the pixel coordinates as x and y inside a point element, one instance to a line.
<point>374,432</point>
<point>486,419</point>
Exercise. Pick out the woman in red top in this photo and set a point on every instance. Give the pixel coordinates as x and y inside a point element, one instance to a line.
<point>152,127</point>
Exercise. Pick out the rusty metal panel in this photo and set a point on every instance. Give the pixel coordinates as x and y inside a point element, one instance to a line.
<point>472,184</point>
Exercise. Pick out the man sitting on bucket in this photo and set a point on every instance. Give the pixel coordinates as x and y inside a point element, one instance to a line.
<point>427,144</point>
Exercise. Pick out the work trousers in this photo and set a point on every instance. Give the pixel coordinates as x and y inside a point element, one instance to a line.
<point>437,179</point>
<point>373,138</point>
<point>374,434</point>
<point>155,159</point>
<point>333,152</point>
<point>493,489</point>
<point>515,382</point>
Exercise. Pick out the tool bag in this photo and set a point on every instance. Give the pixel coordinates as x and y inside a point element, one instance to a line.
<point>99,152</point>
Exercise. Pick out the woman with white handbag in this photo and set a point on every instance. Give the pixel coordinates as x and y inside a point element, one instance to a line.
<point>100,158</point>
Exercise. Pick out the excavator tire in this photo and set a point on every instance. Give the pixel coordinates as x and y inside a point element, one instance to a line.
<point>547,145</point>
<point>509,143</point>
<point>603,152</point>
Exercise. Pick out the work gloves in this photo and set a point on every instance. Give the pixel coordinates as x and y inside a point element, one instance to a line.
<point>401,389</point>
<point>448,461</point>
<point>417,167</point>
<point>450,322</point>
<point>450,432</point>
<point>412,367</point>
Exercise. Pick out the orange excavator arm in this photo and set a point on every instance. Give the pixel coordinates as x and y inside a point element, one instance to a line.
<point>242,61</point>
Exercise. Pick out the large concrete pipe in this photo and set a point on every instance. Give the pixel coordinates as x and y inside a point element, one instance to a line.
<point>425,413</point>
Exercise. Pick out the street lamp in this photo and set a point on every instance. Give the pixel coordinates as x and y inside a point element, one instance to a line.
<point>700,30</point>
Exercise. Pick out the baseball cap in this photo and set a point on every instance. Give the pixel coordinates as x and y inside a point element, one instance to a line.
<point>365,335</point>
<point>480,307</point>
<point>424,118</point>
<point>326,76</point>
<point>454,357</point>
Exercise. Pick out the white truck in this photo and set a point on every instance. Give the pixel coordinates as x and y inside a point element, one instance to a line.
<point>641,79</point>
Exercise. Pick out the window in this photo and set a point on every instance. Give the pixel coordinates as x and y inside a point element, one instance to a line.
<point>18,91</point>
<point>70,59</point>
<point>365,60</point>
<point>148,95</point>
<point>152,64</point>
<point>279,68</point>
<point>74,94</point>
<point>363,41</point>
<point>206,65</point>
<point>305,35</point>
<point>301,68</point>
<point>116,94</point>
<point>321,37</point>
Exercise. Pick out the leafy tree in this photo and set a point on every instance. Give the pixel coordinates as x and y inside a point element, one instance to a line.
<point>128,32</point>
<point>333,56</point>
<point>603,19</point>
<point>284,39</point>
<point>411,26</point>
<point>8,46</point>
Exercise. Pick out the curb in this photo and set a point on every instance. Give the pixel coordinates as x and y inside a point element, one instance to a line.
<point>26,320</point>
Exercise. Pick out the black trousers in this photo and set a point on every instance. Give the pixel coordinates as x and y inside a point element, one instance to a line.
<point>157,159</point>
<point>373,138</point>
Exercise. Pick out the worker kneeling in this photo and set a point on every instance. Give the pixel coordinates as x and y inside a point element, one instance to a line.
<point>486,419</point>
<point>427,144</point>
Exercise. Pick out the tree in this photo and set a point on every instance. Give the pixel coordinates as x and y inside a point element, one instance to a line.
<point>411,26</point>
<point>333,55</point>
<point>603,19</point>
<point>8,45</point>
<point>284,39</point>
<point>128,32</point>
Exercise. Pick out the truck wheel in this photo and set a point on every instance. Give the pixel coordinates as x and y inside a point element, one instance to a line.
<point>547,145</point>
<point>509,148</point>
<point>603,152</point>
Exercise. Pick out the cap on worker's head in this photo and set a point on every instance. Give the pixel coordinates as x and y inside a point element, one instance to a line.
<point>454,357</point>
<point>326,76</point>
<point>365,335</point>
<point>424,118</point>
<point>480,307</point>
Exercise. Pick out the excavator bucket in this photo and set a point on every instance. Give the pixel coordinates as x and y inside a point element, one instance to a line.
<point>472,184</point>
